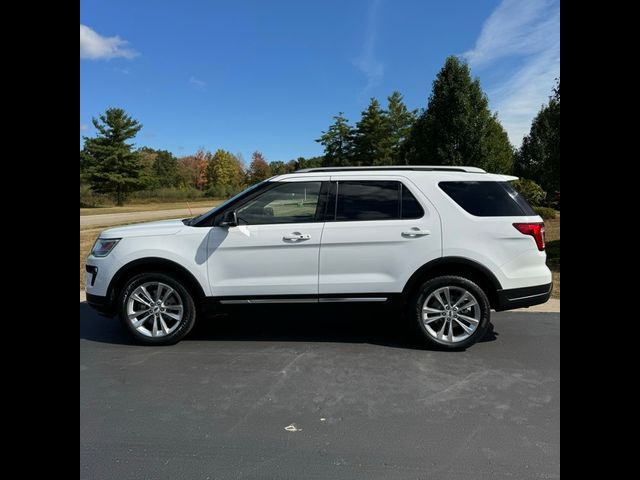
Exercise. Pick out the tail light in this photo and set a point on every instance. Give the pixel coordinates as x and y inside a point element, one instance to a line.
<point>536,230</point>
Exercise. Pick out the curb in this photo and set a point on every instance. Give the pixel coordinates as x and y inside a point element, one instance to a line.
<point>551,305</point>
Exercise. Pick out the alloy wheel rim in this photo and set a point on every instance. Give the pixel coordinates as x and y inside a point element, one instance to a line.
<point>451,314</point>
<point>155,309</point>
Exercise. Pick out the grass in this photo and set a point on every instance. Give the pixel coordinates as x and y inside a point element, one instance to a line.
<point>552,236</point>
<point>294,209</point>
<point>147,207</point>
<point>87,238</point>
<point>88,235</point>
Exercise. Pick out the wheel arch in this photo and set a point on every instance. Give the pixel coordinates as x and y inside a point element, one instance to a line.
<point>461,266</point>
<point>154,264</point>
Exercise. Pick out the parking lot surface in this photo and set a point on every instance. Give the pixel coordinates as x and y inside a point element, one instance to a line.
<point>360,398</point>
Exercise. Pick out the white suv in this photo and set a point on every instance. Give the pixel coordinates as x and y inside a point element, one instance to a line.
<point>451,243</point>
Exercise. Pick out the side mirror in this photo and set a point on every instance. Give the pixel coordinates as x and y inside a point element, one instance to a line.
<point>229,219</point>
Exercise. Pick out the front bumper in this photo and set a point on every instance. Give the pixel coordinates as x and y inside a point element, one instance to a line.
<point>101,304</point>
<point>523,297</point>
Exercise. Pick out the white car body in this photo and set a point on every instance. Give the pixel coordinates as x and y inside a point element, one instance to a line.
<point>370,260</point>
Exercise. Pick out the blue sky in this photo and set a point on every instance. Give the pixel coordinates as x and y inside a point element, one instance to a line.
<point>270,75</point>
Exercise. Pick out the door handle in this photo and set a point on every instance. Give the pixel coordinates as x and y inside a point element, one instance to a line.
<point>416,232</point>
<point>297,236</point>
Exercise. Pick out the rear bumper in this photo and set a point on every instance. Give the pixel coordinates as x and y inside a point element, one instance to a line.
<point>101,304</point>
<point>523,297</point>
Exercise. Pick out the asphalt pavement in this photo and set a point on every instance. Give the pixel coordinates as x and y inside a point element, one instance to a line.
<point>360,397</point>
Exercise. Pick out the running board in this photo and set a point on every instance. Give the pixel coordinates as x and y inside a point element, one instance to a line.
<point>269,300</point>
<point>303,300</point>
<point>352,299</point>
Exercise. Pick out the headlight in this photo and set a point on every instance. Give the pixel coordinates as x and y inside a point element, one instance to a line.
<point>103,246</point>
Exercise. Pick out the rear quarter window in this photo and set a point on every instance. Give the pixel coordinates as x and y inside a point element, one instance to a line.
<point>488,199</point>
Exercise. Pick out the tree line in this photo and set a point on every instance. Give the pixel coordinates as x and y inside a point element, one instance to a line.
<point>456,128</point>
<point>112,167</point>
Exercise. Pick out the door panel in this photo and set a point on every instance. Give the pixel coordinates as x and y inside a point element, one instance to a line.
<point>274,250</point>
<point>377,256</point>
<point>257,260</point>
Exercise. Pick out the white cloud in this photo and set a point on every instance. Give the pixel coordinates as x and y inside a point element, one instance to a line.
<point>519,100</point>
<point>526,33</point>
<point>197,83</point>
<point>366,62</point>
<point>94,46</point>
<point>83,126</point>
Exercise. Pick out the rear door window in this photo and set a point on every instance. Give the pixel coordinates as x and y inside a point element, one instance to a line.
<point>410,206</point>
<point>356,200</point>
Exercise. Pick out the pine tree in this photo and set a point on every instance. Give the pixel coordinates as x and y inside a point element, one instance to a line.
<point>457,127</point>
<point>165,169</point>
<point>372,140</point>
<point>539,156</point>
<point>338,143</point>
<point>497,150</point>
<point>400,122</point>
<point>114,167</point>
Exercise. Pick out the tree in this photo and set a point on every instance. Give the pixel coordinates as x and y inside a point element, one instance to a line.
<point>337,142</point>
<point>313,162</point>
<point>225,173</point>
<point>159,168</point>
<point>259,169</point>
<point>293,165</point>
<point>530,190</point>
<point>165,169</point>
<point>497,150</point>
<point>115,169</point>
<point>539,155</point>
<point>400,121</point>
<point>202,161</point>
<point>372,139</point>
<point>457,127</point>
<point>85,167</point>
<point>278,168</point>
<point>192,170</point>
<point>146,158</point>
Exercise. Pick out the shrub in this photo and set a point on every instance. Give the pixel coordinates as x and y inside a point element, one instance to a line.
<point>223,191</point>
<point>216,191</point>
<point>166,195</point>
<point>545,212</point>
<point>530,190</point>
<point>553,253</point>
<point>90,199</point>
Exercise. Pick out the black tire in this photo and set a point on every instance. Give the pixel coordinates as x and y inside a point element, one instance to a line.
<point>416,315</point>
<point>188,313</point>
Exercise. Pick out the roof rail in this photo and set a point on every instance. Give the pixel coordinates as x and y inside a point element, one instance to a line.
<point>421,168</point>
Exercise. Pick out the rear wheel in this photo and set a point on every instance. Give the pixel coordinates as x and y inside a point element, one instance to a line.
<point>156,309</point>
<point>450,312</point>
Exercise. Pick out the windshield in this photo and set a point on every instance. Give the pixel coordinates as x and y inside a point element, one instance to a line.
<point>223,204</point>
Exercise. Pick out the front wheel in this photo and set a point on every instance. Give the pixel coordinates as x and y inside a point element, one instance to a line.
<point>156,309</point>
<point>451,312</point>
